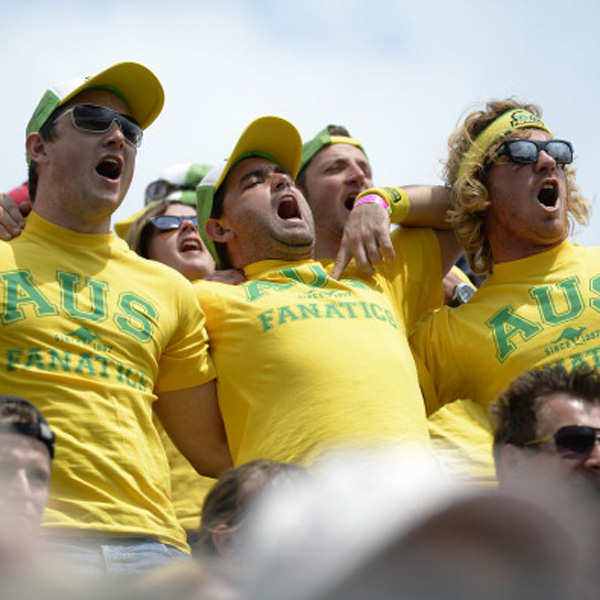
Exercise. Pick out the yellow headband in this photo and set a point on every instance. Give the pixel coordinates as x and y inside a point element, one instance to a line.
<point>516,118</point>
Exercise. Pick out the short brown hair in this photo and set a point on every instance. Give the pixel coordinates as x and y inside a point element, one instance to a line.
<point>230,497</point>
<point>515,413</point>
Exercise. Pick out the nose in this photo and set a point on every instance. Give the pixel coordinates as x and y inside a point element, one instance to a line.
<point>545,162</point>
<point>356,175</point>
<point>592,460</point>
<point>114,135</point>
<point>187,223</point>
<point>280,180</point>
<point>20,485</point>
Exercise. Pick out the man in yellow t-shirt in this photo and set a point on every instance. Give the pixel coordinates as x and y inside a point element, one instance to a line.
<point>305,361</point>
<point>514,195</point>
<point>91,340</point>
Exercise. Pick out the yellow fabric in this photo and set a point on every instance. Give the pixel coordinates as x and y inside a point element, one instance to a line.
<point>304,361</point>
<point>342,139</point>
<point>87,335</point>
<point>188,488</point>
<point>511,120</point>
<point>532,312</point>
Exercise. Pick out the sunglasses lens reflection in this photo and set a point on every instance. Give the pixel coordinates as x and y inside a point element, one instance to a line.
<point>575,439</point>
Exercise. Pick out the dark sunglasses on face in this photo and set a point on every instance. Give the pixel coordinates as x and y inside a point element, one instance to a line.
<point>526,152</point>
<point>572,438</point>
<point>98,119</point>
<point>159,189</point>
<point>171,222</point>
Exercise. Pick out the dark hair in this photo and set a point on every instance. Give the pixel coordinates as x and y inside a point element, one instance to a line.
<point>20,416</point>
<point>234,492</point>
<point>47,133</point>
<point>515,412</point>
<point>216,212</point>
<point>139,234</point>
<point>331,130</point>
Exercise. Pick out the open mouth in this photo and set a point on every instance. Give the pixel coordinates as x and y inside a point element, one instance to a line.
<point>190,245</point>
<point>109,168</point>
<point>288,209</point>
<point>548,195</point>
<point>349,202</point>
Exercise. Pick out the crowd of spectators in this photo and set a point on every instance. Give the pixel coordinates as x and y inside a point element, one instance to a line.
<point>281,369</point>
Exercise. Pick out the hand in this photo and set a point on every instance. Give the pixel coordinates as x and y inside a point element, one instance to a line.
<point>366,239</point>
<point>12,217</point>
<point>232,276</point>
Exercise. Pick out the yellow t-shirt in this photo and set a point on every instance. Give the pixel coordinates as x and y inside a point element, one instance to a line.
<point>87,335</point>
<point>304,361</point>
<point>531,312</point>
<point>188,487</point>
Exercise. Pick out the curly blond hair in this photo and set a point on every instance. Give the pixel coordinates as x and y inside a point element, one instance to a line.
<point>469,197</point>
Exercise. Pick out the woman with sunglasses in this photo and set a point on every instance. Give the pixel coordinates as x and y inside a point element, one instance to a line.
<point>514,200</point>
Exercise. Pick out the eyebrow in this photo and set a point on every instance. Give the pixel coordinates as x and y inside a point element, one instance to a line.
<point>263,172</point>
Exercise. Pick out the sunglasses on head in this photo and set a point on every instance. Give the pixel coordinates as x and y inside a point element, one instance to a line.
<point>172,222</point>
<point>526,152</point>
<point>572,438</point>
<point>159,189</point>
<point>98,119</point>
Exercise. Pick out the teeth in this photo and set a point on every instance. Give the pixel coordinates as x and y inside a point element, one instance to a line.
<point>190,245</point>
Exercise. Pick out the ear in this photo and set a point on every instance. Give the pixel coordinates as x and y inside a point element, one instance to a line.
<point>35,146</point>
<point>218,231</point>
<point>222,539</point>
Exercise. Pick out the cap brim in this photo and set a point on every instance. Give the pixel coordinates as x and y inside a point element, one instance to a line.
<point>272,136</point>
<point>138,85</point>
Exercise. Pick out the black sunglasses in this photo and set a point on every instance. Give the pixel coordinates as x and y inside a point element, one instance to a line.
<point>525,152</point>
<point>159,189</point>
<point>98,119</point>
<point>572,438</point>
<point>171,222</point>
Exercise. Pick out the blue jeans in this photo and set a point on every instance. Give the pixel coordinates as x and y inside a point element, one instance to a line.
<point>100,556</point>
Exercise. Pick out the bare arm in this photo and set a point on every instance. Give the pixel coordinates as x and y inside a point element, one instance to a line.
<point>193,421</point>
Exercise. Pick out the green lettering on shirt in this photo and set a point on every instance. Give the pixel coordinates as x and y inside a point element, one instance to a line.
<point>140,314</point>
<point>319,280</point>
<point>266,319</point>
<point>286,314</point>
<point>309,310</point>
<point>70,285</point>
<point>257,289</point>
<point>13,357</point>
<point>331,310</point>
<point>570,291</point>
<point>85,366</point>
<point>595,288</point>
<point>56,358</point>
<point>34,359</point>
<point>505,325</point>
<point>19,290</point>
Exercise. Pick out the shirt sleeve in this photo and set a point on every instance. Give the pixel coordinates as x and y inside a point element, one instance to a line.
<point>186,361</point>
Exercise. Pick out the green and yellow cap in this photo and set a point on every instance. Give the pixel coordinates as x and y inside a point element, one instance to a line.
<point>267,137</point>
<point>177,183</point>
<point>134,83</point>
<point>322,139</point>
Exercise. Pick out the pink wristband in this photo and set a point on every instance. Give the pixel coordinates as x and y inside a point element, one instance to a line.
<point>372,199</point>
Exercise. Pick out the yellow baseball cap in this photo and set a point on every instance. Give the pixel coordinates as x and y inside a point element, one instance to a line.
<point>134,83</point>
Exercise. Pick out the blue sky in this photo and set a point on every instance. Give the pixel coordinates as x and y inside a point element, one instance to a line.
<point>399,75</point>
